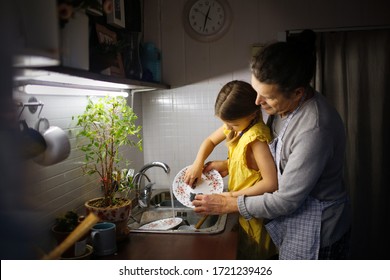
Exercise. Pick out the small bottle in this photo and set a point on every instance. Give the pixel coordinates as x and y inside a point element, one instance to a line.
<point>151,62</point>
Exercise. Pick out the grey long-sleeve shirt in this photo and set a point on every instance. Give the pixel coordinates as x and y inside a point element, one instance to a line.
<point>312,159</point>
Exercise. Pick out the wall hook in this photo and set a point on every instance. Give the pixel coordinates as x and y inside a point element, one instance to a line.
<point>32,105</point>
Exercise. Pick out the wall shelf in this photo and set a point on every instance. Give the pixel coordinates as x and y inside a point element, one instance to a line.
<point>73,77</point>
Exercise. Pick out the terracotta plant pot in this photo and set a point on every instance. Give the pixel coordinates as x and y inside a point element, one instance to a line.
<point>118,215</point>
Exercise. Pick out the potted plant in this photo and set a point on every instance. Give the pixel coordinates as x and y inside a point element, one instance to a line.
<point>64,225</point>
<point>107,125</point>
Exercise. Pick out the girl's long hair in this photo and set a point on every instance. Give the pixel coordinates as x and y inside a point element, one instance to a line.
<point>236,100</point>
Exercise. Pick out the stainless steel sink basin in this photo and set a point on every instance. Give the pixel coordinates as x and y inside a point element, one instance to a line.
<point>161,209</point>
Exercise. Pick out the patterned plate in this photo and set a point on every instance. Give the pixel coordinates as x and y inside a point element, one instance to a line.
<point>211,182</point>
<point>163,224</point>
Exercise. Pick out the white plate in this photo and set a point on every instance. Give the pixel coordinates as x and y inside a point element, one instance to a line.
<point>163,224</point>
<point>211,182</point>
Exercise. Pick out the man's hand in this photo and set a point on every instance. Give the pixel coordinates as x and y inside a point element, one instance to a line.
<point>215,204</point>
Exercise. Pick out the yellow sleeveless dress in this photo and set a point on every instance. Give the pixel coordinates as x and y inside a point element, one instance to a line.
<point>258,243</point>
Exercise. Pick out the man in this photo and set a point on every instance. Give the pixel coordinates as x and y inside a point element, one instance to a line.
<point>309,213</point>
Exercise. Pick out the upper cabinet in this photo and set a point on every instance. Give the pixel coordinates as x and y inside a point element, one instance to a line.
<point>36,32</point>
<point>95,42</point>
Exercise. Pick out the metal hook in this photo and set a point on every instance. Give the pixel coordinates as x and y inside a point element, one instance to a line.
<point>21,111</point>
<point>32,105</point>
<point>40,111</point>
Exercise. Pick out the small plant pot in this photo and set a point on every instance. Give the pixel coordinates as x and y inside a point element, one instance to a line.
<point>76,250</point>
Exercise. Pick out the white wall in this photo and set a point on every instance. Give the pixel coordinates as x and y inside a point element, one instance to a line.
<point>177,120</point>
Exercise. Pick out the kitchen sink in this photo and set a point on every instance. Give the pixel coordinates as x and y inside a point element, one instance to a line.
<point>161,208</point>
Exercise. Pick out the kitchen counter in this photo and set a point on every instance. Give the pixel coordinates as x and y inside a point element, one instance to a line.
<point>149,246</point>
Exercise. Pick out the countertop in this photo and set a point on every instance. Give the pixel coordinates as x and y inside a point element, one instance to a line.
<point>154,246</point>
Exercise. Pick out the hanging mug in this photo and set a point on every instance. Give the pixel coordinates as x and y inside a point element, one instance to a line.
<point>32,142</point>
<point>58,145</point>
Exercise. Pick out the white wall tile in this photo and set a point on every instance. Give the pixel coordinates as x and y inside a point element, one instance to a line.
<point>175,126</point>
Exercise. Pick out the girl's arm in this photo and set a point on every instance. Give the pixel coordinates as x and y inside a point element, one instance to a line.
<point>206,148</point>
<point>267,168</point>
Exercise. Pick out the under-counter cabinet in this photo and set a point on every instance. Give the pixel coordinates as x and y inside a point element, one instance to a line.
<point>154,246</point>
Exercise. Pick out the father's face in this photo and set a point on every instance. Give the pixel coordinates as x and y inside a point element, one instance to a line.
<point>271,99</point>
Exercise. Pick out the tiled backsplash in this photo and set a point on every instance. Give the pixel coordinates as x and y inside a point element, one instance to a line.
<point>175,122</point>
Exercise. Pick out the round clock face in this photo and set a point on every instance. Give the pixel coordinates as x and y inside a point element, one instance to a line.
<point>206,20</point>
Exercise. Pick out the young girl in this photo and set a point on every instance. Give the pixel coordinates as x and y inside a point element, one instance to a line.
<point>250,163</point>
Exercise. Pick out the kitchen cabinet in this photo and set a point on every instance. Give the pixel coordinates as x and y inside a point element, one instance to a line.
<point>36,38</point>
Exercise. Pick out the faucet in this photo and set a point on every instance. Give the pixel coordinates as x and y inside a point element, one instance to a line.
<point>144,197</point>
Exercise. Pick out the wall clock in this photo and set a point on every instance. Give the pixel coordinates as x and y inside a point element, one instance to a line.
<point>206,20</point>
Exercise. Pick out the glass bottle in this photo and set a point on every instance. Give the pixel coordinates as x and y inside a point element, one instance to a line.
<point>132,61</point>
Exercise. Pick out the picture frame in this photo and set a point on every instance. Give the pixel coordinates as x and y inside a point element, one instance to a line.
<point>116,17</point>
<point>108,37</point>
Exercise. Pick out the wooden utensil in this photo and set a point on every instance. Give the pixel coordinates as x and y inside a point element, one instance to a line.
<point>201,221</point>
<point>75,235</point>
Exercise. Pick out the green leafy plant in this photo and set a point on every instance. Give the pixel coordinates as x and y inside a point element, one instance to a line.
<point>107,124</point>
<point>67,222</point>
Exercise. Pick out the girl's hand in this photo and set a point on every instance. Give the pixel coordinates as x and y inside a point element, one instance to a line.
<point>220,165</point>
<point>192,174</point>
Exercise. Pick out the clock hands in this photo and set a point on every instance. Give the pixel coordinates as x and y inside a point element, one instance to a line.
<point>206,18</point>
<point>200,12</point>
